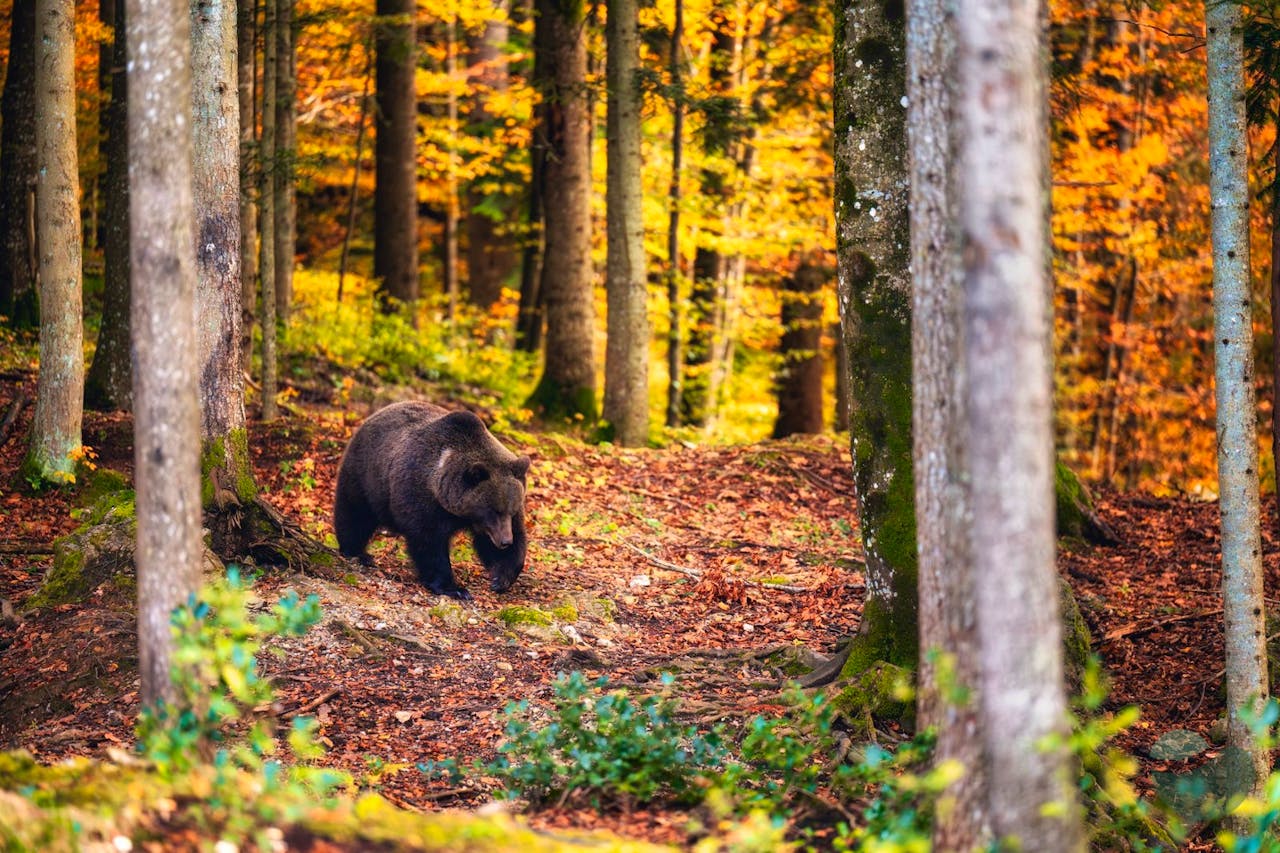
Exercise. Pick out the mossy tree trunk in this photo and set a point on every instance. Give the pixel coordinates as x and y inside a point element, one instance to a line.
<point>875,310</point>
<point>166,402</point>
<point>226,466</point>
<point>568,384</point>
<point>55,431</point>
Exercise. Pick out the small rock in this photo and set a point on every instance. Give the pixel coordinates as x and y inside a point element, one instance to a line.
<point>639,581</point>
<point>503,666</point>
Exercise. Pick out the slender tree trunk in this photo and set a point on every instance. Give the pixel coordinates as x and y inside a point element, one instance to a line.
<point>452,215</point>
<point>873,245</point>
<point>109,385</point>
<point>626,383</point>
<point>268,164</point>
<point>353,200</point>
<point>18,291</point>
<point>55,432</point>
<point>841,360</point>
<point>1275,331</point>
<point>568,384</point>
<point>675,305</point>
<point>948,628</point>
<point>1243,606</point>
<point>395,200</point>
<point>529,322</point>
<point>246,80</point>
<point>216,141</point>
<point>1002,189</point>
<point>799,381</point>
<point>166,405</point>
<point>285,207</point>
<point>490,253</point>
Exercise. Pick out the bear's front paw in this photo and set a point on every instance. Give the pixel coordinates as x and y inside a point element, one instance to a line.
<point>457,592</point>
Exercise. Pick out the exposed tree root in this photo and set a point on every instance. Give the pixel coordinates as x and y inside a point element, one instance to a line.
<point>259,533</point>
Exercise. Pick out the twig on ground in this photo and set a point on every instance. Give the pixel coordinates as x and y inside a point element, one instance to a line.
<point>698,575</point>
<point>11,417</point>
<point>313,704</point>
<point>22,547</point>
<point>1134,629</point>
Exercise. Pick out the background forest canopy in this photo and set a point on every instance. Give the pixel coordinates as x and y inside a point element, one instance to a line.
<point>1130,206</point>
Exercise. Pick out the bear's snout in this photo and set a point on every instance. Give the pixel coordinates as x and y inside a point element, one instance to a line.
<point>499,532</point>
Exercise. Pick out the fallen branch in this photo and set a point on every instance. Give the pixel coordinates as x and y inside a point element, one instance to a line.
<point>1134,629</point>
<point>10,418</point>
<point>698,575</point>
<point>313,704</point>
<point>23,547</point>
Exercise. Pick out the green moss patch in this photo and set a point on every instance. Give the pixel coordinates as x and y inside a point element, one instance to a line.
<point>97,551</point>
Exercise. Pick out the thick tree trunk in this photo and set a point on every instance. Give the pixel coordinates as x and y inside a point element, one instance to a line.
<point>286,206</point>
<point>1243,606</point>
<point>948,630</point>
<point>216,141</point>
<point>1275,331</point>
<point>55,431</point>
<point>108,385</point>
<point>568,384</point>
<point>626,382</point>
<point>269,175</point>
<point>675,304</point>
<point>491,256</point>
<point>246,80</point>
<point>395,200</point>
<point>18,294</point>
<point>1002,189</point>
<point>166,405</point>
<point>875,305</point>
<point>799,381</point>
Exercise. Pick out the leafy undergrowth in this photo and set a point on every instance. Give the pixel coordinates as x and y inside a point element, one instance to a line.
<point>693,560</point>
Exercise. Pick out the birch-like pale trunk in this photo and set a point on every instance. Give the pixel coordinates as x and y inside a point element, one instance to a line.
<point>162,261</point>
<point>948,621</point>
<point>1243,607</point>
<point>55,432</point>
<point>216,175</point>
<point>626,369</point>
<point>1002,164</point>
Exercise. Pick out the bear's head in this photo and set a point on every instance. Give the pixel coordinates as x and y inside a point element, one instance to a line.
<point>492,500</point>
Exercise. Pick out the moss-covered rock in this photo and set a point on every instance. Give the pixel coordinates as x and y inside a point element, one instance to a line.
<point>100,549</point>
<point>1077,643</point>
<point>1077,516</point>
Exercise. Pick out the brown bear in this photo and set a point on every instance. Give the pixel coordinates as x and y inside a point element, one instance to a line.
<point>425,473</point>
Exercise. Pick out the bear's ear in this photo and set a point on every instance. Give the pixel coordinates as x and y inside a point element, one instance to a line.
<point>520,467</point>
<point>475,474</point>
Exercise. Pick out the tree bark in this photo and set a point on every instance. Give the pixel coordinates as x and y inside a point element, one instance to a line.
<point>395,200</point>
<point>1243,606</point>
<point>875,303</point>
<point>55,432</point>
<point>452,214</point>
<point>246,83</point>
<point>108,385</point>
<point>18,294</point>
<point>948,628</point>
<point>285,207</point>
<point>166,405</point>
<point>269,174</point>
<point>799,381</point>
<point>568,384</point>
<point>626,382</point>
<point>1002,189</point>
<point>675,305</point>
<point>216,175</point>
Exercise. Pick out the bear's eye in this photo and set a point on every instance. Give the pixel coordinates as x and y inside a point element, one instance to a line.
<point>476,474</point>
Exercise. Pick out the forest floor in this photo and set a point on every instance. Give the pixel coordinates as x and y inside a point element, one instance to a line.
<point>660,552</point>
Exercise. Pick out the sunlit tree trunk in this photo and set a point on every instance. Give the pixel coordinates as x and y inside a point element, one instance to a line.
<point>246,83</point>
<point>216,140</point>
<point>874,291</point>
<point>675,304</point>
<point>1002,191</point>
<point>799,380</point>
<point>166,405</point>
<point>568,384</point>
<point>268,175</point>
<point>395,199</point>
<point>18,296</point>
<point>285,206</point>
<point>1243,606</point>
<point>530,320</point>
<point>490,251</point>
<point>55,432</point>
<point>452,214</point>
<point>626,383</point>
<point>948,627</point>
<point>108,385</point>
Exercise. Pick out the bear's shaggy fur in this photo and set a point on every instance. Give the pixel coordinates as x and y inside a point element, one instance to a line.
<point>425,473</point>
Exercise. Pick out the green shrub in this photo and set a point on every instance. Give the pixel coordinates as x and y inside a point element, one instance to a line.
<point>195,740</point>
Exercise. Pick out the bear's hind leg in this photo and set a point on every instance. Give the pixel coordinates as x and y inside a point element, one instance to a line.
<point>431,559</point>
<point>354,525</point>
